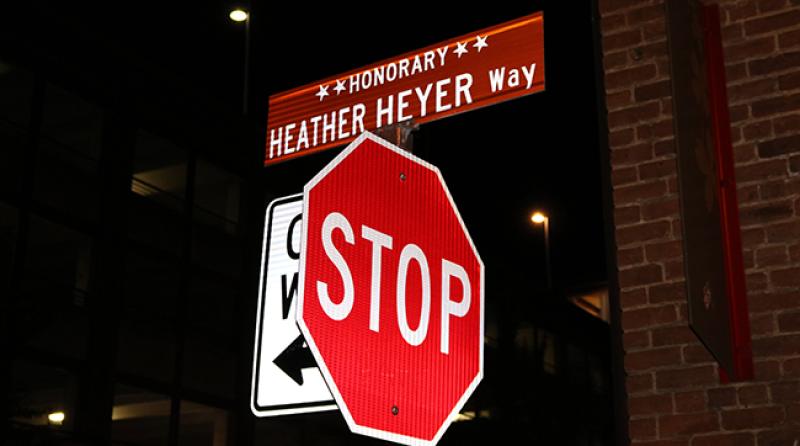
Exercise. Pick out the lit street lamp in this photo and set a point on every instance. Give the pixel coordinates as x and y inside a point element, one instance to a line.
<point>539,218</point>
<point>239,15</point>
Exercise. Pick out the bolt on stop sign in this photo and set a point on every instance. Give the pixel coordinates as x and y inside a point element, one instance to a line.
<point>391,292</point>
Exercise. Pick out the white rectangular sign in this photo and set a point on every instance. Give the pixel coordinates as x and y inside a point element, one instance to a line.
<point>286,379</point>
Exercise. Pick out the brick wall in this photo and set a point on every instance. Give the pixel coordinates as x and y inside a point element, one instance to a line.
<point>673,387</point>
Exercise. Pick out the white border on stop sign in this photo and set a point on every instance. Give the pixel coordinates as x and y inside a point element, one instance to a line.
<point>376,433</point>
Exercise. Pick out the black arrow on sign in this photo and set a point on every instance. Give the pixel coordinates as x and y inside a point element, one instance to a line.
<point>294,359</point>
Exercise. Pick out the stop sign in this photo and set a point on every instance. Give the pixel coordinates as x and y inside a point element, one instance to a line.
<point>391,292</point>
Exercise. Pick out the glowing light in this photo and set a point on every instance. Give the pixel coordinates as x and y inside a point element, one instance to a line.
<point>238,15</point>
<point>56,417</point>
<point>538,218</point>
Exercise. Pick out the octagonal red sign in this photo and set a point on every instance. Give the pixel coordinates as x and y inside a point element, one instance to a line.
<point>391,292</point>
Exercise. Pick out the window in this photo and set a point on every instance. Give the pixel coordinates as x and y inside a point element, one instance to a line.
<point>203,425</point>
<point>69,149</point>
<point>146,349</point>
<point>139,417</point>
<point>216,197</point>
<point>159,171</point>
<point>151,284</point>
<point>16,89</point>
<point>8,240</point>
<point>55,284</point>
<point>43,398</point>
<point>209,363</point>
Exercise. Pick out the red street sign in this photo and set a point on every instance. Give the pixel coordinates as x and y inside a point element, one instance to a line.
<point>391,292</point>
<point>492,65</point>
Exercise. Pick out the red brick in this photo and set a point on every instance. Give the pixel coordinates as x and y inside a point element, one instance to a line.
<point>789,277</point>
<point>749,49</point>
<point>789,39</point>
<point>626,215</point>
<point>631,154</point>
<point>673,269</point>
<point>630,256</point>
<point>655,130</point>
<point>791,368</point>
<point>625,175</point>
<point>652,91</point>
<point>687,424</point>
<point>660,209</point>
<point>750,395</point>
<point>773,106</point>
<point>725,439</point>
<point>779,146</point>
<point>789,81</point>
<point>786,124</point>
<point>762,324</point>
<point>786,435</point>
<point>770,256</point>
<point>770,5</point>
<point>753,418</point>
<point>784,345</point>
<point>767,370</point>
<point>686,378</point>
<point>688,402</point>
<point>677,335</point>
<point>650,405</point>
<point>642,232</point>
<point>783,232</point>
<point>658,169</point>
<point>696,354</point>
<point>615,60</point>
<point>653,358</point>
<point>639,383</point>
<point>623,39</point>
<point>648,317</point>
<point>612,22</point>
<point>645,14</point>
<point>751,89</point>
<point>775,189</point>
<point>739,113</point>
<point>664,250</point>
<point>785,392</point>
<point>622,137</point>
<point>747,194</point>
<point>633,298</point>
<point>788,322</point>
<point>794,253</point>
<point>744,153</point>
<point>633,115</point>
<point>740,10</point>
<point>642,428</point>
<point>640,275</point>
<point>771,301</point>
<point>756,281</point>
<point>772,23</point>
<point>736,72</point>
<point>757,130</point>
<point>721,397</point>
<point>630,76</point>
<point>765,212</point>
<point>671,442</point>
<point>633,340</point>
<point>663,148</point>
<point>760,171</point>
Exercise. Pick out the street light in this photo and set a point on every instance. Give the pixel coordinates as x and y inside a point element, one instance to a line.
<point>539,218</point>
<point>240,15</point>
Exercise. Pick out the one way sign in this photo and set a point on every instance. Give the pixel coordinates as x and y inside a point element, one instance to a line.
<point>286,379</point>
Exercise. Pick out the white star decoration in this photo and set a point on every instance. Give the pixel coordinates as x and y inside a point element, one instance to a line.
<point>339,88</point>
<point>461,48</point>
<point>480,42</point>
<point>323,91</point>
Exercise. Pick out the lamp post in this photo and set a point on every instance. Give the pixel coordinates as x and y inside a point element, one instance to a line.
<point>539,218</point>
<point>241,15</point>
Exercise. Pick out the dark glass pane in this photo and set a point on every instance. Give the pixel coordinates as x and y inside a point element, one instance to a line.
<point>13,142</point>
<point>146,349</point>
<point>217,251</point>
<point>211,302</point>
<point>203,425</point>
<point>155,225</point>
<point>8,240</point>
<point>42,400</point>
<point>72,122</point>
<point>16,89</point>
<point>216,197</point>
<point>151,284</point>
<point>139,417</point>
<point>209,363</point>
<point>55,284</point>
<point>159,171</point>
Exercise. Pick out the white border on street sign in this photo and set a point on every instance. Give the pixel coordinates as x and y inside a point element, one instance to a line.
<point>267,377</point>
<point>383,435</point>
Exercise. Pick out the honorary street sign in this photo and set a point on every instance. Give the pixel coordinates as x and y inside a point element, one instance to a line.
<point>286,379</point>
<point>391,292</point>
<point>475,70</point>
